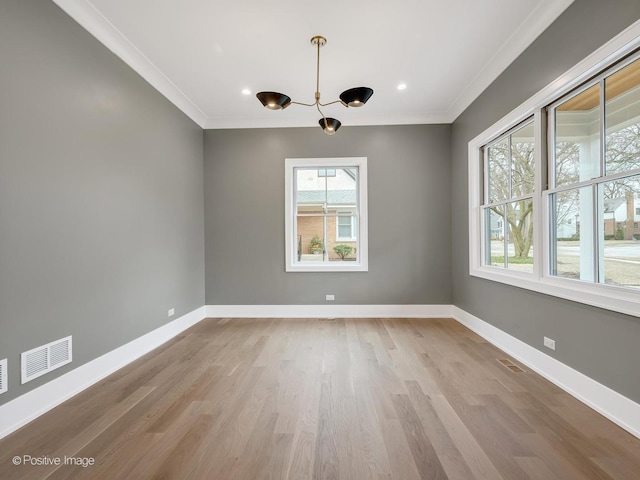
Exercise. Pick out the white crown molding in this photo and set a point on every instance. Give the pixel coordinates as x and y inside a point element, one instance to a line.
<point>90,18</point>
<point>22,410</point>
<point>619,46</point>
<point>614,406</point>
<point>106,33</point>
<point>536,22</point>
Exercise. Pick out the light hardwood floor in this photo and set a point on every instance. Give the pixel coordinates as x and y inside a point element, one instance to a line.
<point>350,399</point>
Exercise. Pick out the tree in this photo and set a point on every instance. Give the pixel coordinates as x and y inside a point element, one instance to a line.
<point>511,171</point>
<point>512,175</point>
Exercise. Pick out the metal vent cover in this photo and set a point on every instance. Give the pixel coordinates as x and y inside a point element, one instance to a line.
<point>510,365</point>
<point>41,360</point>
<point>4,376</point>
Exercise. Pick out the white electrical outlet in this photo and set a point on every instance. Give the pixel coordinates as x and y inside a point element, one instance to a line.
<point>549,343</point>
<point>171,312</point>
<point>330,298</point>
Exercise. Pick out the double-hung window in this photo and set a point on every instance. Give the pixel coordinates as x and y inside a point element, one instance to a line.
<point>326,214</point>
<point>594,157</point>
<point>554,187</point>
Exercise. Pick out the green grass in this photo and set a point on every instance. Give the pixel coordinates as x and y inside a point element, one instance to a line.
<point>513,260</point>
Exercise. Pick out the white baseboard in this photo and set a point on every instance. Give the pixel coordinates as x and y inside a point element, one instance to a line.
<point>614,406</point>
<point>20,411</point>
<point>330,311</point>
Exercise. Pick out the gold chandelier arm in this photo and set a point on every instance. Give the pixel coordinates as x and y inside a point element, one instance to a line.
<point>331,103</point>
<point>323,117</point>
<point>303,104</point>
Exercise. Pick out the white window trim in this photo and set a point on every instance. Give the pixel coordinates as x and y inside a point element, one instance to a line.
<point>609,297</point>
<point>291,263</point>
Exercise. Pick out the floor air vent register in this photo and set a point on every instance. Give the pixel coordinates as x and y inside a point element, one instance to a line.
<point>4,384</point>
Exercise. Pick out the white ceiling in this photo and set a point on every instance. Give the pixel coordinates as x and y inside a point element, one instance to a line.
<point>201,54</point>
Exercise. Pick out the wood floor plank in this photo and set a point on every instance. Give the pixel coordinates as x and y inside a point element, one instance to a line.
<point>424,455</point>
<point>311,399</point>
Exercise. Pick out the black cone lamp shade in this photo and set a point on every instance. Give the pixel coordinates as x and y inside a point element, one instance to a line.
<point>329,125</point>
<point>356,97</point>
<point>274,100</point>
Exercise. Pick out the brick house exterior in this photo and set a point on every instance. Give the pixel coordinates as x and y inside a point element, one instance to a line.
<point>326,195</point>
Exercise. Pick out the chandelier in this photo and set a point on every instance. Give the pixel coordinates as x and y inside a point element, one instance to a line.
<point>354,97</point>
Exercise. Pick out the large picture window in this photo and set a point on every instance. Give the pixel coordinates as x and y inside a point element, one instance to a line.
<point>554,187</point>
<point>326,214</point>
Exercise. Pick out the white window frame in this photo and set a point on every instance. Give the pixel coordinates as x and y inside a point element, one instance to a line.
<point>291,261</point>
<point>619,299</point>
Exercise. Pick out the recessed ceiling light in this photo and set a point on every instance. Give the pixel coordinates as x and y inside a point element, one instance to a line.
<point>402,86</point>
<point>246,91</point>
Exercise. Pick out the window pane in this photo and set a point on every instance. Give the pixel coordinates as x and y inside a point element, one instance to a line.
<point>310,241</point>
<point>495,236</point>
<point>622,92</point>
<point>577,138</point>
<point>619,233</point>
<point>310,191</point>
<point>498,157</point>
<point>572,251</point>
<point>342,244</point>
<point>342,189</point>
<point>522,161</point>
<point>520,228</point>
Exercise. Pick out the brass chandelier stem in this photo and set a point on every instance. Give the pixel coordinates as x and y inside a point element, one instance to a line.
<point>318,73</point>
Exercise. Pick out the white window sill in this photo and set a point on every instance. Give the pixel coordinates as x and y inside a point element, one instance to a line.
<point>329,267</point>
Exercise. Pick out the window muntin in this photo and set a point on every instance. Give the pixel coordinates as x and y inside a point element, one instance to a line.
<point>326,172</point>
<point>508,200</point>
<point>326,199</point>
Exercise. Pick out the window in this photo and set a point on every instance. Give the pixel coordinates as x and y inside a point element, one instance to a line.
<point>346,227</point>
<point>509,172</point>
<point>595,163</point>
<point>326,214</point>
<point>561,173</point>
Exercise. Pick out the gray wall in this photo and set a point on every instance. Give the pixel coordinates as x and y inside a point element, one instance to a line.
<point>599,343</point>
<point>409,216</point>
<point>101,195</point>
